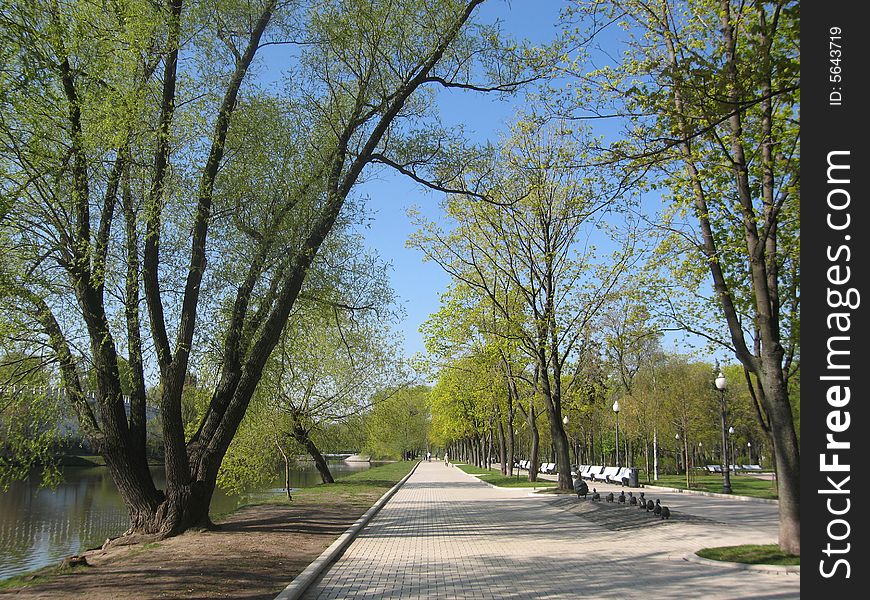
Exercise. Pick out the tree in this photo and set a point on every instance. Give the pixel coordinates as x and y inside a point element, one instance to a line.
<point>530,248</point>
<point>333,357</point>
<point>467,334</point>
<point>398,424</point>
<point>712,92</point>
<point>334,354</point>
<point>632,346</point>
<point>119,128</point>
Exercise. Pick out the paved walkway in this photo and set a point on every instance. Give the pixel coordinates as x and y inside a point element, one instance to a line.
<point>447,535</point>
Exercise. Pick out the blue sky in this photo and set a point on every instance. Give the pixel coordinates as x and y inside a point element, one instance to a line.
<point>419,285</point>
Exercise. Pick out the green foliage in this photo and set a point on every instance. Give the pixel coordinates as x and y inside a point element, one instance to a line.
<point>31,415</point>
<point>253,459</point>
<point>398,423</point>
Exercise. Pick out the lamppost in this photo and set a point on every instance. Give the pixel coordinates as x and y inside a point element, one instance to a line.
<point>726,472</point>
<point>679,451</point>
<point>616,410</point>
<point>749,451</point>
<point>732,447</point>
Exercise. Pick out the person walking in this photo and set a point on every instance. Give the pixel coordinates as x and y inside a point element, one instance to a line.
<point>446,459</point>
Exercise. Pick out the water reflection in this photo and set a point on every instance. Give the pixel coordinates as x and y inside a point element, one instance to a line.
<point>40,527</point>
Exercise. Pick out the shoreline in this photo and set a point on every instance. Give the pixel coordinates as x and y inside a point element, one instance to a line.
<point>260,547</point>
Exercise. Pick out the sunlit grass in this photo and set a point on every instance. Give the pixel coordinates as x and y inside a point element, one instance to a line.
<point>37,576</point>
<point>497,479</point>
<point>752,554</point>
<point>360,489</point>
<point>741,485</point>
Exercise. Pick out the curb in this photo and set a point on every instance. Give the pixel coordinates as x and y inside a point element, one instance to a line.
<point>777,569</point>
<point>301,582</point>
<point>710,494</point>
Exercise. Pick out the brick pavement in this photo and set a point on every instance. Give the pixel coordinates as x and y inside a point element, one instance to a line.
<point>446,535</point>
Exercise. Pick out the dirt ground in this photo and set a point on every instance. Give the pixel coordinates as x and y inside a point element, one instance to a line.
<point>256,552</point>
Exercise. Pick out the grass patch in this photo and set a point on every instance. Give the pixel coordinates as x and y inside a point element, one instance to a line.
<point>741,485</point>
<point>472,470</point>
<point>752,554</point>
<point>35,577</point>
<point>497,479</point>
<point>361,489</point>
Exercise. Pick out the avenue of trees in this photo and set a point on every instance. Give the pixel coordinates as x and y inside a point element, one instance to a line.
<point>707,97</point>
<point>176,234</point>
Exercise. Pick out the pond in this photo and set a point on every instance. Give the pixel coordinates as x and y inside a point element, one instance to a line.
<point>40,527</point>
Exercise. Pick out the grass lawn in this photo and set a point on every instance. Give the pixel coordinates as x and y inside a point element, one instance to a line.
<point>362,488</point>
<point>741,485</point>
<point>751,554</point>
<point>497,479</point>
<point>32,578</point>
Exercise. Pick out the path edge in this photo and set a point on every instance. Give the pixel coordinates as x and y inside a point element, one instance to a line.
<point>301,582</point>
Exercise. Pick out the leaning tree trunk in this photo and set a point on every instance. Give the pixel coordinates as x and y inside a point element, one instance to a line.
<point>301,435</point>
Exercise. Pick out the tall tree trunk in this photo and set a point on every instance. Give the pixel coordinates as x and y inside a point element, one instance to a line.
<point>786,454</point>
<point>502,448</point>
<point>646,457</point>
<point>534,463</point>
<point>560,440</point>
<point>511,443</point>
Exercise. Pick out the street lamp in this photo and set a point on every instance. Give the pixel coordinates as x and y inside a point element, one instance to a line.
<point>616,410</point>
<point>677,455</point>
<point>732,447</point>
<point>726,471</point>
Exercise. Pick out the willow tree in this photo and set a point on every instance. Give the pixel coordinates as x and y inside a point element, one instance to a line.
<point>117,124</point>
<point>710,90</point>
<point>335,353</point>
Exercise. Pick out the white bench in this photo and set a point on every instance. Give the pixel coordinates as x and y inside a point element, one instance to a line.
<point>595,472</point>
<point>621,476</point>
<point>607,473</point>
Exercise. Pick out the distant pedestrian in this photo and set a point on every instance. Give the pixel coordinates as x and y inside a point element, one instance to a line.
<point>428,456</point>
<point>446,460</point>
